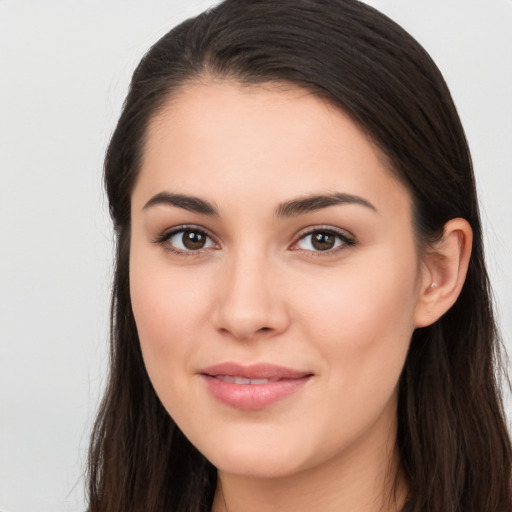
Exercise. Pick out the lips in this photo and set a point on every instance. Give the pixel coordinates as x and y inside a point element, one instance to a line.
<point>254,386</point>
<point>243,380</point>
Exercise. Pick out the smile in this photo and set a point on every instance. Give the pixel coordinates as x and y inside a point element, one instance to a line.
<point>252,387</point>
<point>243,380</point>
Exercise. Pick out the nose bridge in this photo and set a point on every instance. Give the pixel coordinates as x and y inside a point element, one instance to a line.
<point>249,301</point>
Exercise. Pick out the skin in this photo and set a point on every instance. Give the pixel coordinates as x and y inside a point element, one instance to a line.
<point>259,291</point>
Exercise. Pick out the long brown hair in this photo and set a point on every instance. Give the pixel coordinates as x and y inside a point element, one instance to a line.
<point>452,437</point>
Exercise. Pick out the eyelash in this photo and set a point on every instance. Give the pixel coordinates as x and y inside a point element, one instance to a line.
<point>164,238</point>
<point>345,239</point>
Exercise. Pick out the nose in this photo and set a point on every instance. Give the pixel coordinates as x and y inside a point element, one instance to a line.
<point>250,301</point>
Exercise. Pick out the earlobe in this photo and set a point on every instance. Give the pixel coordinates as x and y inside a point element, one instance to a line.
<point>445,267</point>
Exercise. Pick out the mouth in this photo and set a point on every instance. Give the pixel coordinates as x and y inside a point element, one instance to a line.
<point>254,372</point>
<point>253,387</point>
<point>242,380</point>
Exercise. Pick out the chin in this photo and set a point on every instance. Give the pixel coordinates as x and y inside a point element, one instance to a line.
<point>257,465</point>
<point>259,454</point>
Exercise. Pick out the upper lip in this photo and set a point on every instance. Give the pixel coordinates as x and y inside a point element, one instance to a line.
<point>254,371</point>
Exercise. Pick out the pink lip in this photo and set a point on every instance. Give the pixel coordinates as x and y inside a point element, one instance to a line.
<point>283,382</point>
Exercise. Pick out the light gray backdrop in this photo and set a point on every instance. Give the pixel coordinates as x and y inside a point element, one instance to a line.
<point>64,70</point>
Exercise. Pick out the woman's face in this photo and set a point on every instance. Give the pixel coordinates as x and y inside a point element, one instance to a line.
<point>274,278</point>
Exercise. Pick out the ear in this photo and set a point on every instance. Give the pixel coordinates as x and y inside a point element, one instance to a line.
<point>444,272</point>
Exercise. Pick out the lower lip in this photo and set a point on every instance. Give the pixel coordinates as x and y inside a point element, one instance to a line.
<point>253,396</point>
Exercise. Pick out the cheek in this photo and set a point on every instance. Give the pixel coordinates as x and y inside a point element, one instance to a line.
<point>169,313</point>
<point>361,323</point>
<point>363,316</point>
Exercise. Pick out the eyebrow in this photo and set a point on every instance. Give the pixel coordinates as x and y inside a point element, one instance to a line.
<point>290,208</point>
<point>191,203</point>
<point>317,202</point>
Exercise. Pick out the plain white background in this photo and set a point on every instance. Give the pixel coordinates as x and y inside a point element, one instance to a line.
<point>64,70</point>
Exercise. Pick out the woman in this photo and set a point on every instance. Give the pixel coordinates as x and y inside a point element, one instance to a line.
<point>301,316</point>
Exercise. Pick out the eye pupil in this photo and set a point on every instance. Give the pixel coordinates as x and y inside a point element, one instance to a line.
<point>193,240</point>
<point>323,241</point>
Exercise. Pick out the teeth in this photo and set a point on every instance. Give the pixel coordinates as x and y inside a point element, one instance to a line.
<point>259,381</point>
<point>242,380</point>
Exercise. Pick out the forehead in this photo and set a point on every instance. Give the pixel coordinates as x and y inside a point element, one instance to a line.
<point>222,139</point>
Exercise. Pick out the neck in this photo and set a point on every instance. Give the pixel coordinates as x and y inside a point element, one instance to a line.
<point>366,480</point>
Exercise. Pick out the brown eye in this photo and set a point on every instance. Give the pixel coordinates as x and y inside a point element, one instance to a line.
<point>193,240</point>
<point>187,240</point>
<point>323,240</point>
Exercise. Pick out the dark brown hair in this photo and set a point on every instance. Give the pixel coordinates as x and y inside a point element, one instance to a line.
<point>452,437</point>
